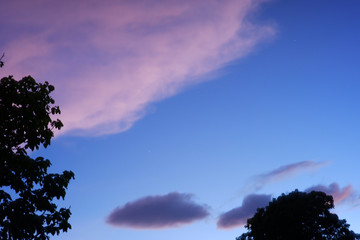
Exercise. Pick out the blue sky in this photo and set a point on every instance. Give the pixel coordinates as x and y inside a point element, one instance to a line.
<point>194,105</point>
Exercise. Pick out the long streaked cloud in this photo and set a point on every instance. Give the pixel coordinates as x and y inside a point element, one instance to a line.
<point>238,216</point>
<point>153,212</point>
<point>110,59</point>
<point>280,173</point>
<point>340,195</point>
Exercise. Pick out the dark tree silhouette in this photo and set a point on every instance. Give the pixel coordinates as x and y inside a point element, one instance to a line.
<point>298,215</point>
<point>27,191</point>
<point>1,60</point>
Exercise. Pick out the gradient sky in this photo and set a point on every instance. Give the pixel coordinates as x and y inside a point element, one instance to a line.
<point>182,117</point>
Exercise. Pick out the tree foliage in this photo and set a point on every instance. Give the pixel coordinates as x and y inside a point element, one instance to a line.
<point>298,215</point>
<point>1,60</point>
<point>27,190</point>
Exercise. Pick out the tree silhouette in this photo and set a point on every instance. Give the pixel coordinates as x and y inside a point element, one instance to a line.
<point>27,191</point>
<point>298,215</point>
<point>1,60</point>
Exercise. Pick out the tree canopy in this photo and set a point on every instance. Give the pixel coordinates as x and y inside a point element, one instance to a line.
<point>298,215</point>
<point>27,190</point>
<point>1,60</point>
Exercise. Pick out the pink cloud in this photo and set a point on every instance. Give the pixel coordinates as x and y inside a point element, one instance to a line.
<point>285,171</point>
<point>110,59</point>
<point>340,196</point>
<point>153,212</point>
<point>238,216</point>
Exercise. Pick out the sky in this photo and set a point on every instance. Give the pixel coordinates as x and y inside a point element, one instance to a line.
<point>183,117</point>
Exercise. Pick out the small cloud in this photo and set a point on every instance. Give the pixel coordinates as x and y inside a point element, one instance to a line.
<point>153,212</point>
<point>285,171</point>
<point>339,195</point>
<point>238,216</point>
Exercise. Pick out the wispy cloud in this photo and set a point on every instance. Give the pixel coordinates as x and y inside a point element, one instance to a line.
<point>110,59</point>
<point>284,171</point>
<point>238,216</point>
<point>340,195</point>
<point>153,212</point>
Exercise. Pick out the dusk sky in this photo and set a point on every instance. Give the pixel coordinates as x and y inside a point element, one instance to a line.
<point>183,117</point>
